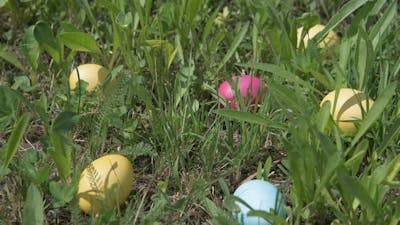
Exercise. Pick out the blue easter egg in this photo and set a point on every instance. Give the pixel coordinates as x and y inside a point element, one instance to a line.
<point>260,195</point>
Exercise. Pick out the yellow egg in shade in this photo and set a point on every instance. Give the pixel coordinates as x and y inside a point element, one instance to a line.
<point>349,108</point>
<point>93,74</point>
<point>329,41</point>
<point>105,183</point>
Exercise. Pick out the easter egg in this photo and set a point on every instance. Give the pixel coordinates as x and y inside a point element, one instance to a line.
<point>349,108</point>
<point>93,74</point>
<point>105,183</point>
<point>251,89</point>
<point>329,41</point>
<point>260,195</point>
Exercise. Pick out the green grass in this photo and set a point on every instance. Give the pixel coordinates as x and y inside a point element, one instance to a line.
<point>167,59</point>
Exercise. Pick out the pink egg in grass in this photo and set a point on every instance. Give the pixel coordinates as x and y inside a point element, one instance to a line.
<point>248,87</point>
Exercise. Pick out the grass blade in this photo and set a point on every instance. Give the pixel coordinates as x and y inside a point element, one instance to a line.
<point>353,164</point>
<point>354,188</point>
<point>286,96</point>
<point>15,139</point>
<point>11,58</point>
<point>375,111</point>
<point>393,169</point>
<point>44,36</point>
<point>249,117</point>
<point>393,131</point>
<point>383,24</point>
<point>33,210</point>
<point>364,57</point>
<point>279,71</point>
<point>235,44</point>
<point>192,10</point>
<point>342,14</point>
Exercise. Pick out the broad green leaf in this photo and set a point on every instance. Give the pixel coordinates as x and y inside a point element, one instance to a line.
<point>60,148</point>
<point>10,104</point>
<point>124,19</point>
<point>309,20</point>
<point>12,58</point>
<point>60,151</point>
<point>342,14</point>
<point>65,121</point>
<point>67,27</point>
<point>62,193</point>
<point>41,175</point>
<point>33,213</point>
<point>44,36</point>
<point>14,140</point>
<point>249,117</point>
<point>79,41</point>
<point>23,83</point>
<point>30,167</point>
<point>30,48</point>
<point>376,110</point>
<point>235,44</point>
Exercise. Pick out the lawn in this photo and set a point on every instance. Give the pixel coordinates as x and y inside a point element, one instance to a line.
<point>158,103</point>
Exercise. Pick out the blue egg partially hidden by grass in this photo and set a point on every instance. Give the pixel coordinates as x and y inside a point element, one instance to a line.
<point>260,195</point>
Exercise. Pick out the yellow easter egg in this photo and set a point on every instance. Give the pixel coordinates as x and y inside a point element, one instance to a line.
<point>349,108</point>
<point>105,184</point>
<point>329,41</point>
<point>93,74</point>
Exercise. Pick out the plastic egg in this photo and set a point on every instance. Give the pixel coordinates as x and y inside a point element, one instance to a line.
<point>93,74</point>
<point>349,108</point>
<point>248,87</point>
<point>260,195</point>
<point>105,183</point>
<point>330,39</point>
